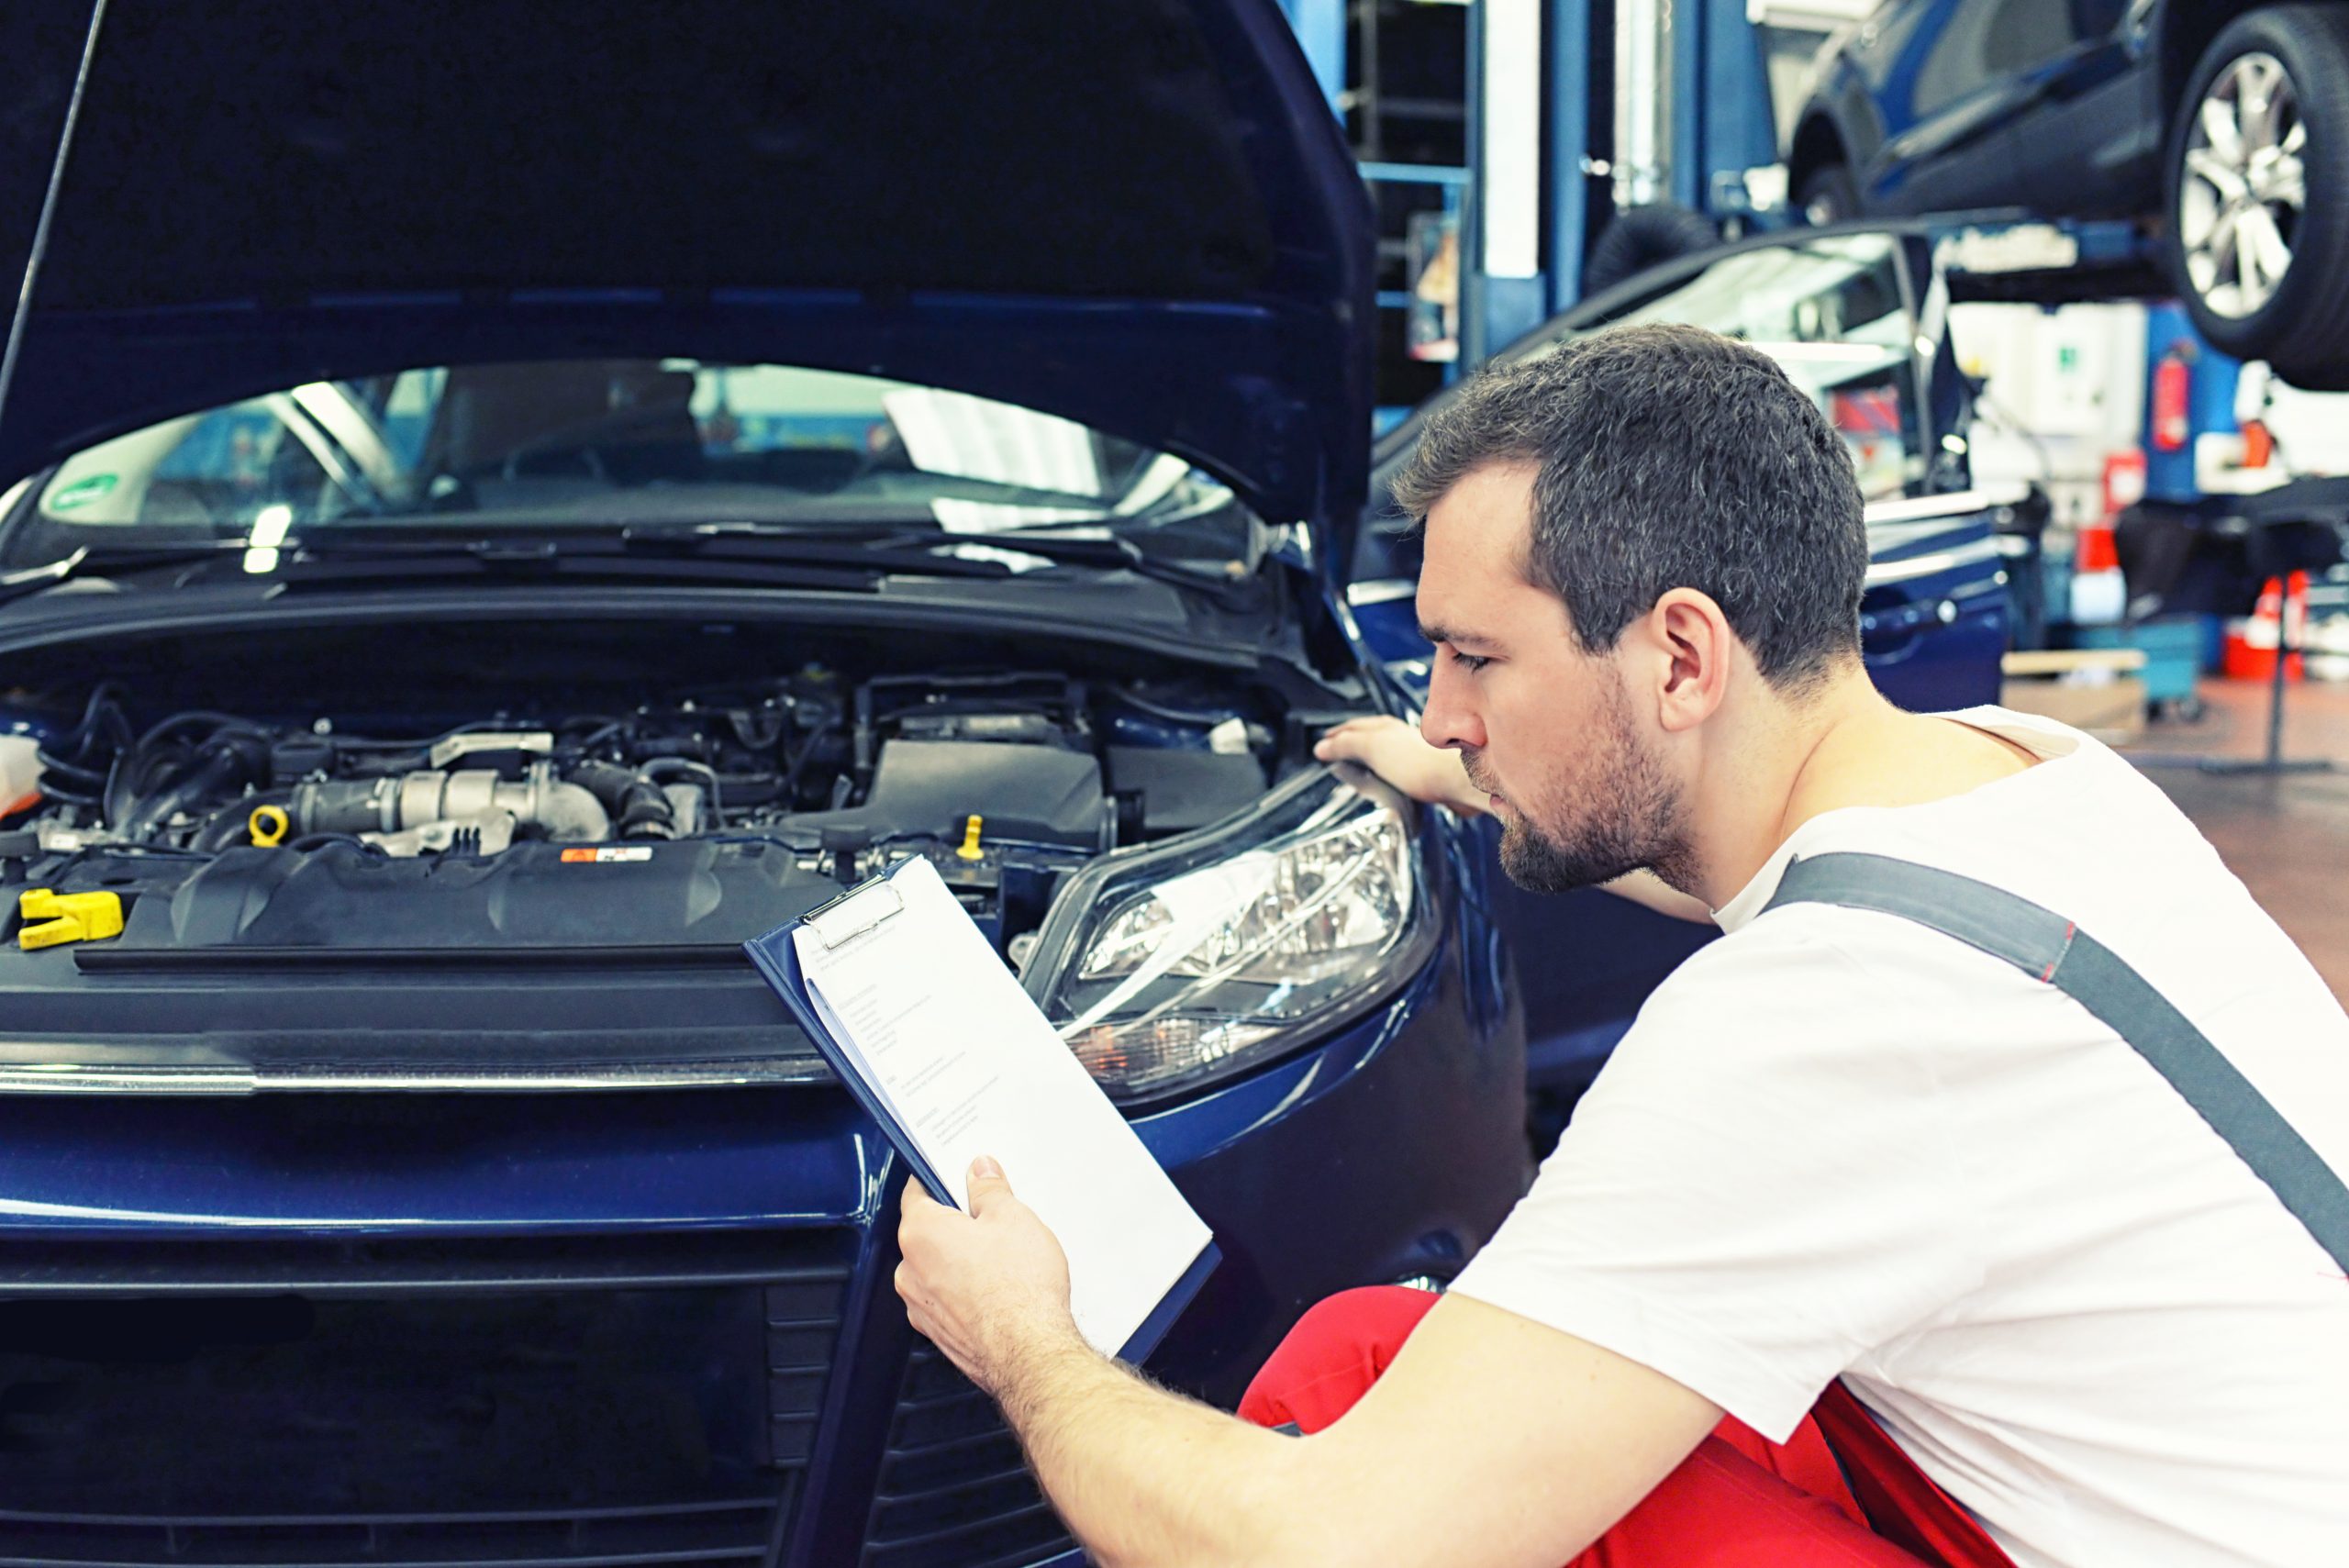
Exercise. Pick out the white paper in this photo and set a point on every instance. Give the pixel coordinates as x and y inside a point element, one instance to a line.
<point>968,1065</point>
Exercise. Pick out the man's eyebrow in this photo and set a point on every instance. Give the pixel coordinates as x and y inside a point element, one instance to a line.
<point>1454,634</point>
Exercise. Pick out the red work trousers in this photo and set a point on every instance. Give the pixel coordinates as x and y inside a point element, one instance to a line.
<point>1737,1502</point>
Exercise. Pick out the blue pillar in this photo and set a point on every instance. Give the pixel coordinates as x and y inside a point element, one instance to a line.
<point>1567,66</point>
<point>1320,28</point>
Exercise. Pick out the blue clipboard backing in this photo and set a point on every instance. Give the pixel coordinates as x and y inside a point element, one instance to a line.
<point>776,957</point>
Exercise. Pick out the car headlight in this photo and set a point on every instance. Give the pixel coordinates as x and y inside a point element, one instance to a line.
<point>1165,967</point>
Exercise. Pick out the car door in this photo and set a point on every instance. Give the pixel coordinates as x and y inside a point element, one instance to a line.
<point>1857,317</point>
<point>2091,139</point>
<point>1950,81</point>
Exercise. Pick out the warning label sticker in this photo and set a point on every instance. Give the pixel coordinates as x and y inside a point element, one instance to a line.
<point>606,857</point>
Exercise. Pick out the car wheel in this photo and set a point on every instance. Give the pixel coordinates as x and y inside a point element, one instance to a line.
<point>1829,195</point>
<point>2259,191</point>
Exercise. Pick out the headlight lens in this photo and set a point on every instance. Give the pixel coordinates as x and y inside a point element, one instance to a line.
<point>1185,963</point>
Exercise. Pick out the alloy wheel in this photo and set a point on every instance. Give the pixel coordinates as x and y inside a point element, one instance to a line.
<point>2243,188</point>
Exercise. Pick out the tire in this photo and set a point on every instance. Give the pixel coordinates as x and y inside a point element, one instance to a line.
<point>1829,195</point>
<point>1644,236</point>
<point>2231,206</point>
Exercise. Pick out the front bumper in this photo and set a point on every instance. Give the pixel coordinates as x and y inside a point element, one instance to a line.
<point>630,1328</point>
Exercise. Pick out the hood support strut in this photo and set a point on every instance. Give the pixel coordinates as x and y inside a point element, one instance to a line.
<point>17,322</point>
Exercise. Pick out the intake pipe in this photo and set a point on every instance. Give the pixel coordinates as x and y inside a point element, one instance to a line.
<point>394,804</point>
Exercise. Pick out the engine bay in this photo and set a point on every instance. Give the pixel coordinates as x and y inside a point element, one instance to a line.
<point>707,811</point>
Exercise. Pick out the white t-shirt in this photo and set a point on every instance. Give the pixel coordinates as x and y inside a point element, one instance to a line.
<point>1836,1143</point>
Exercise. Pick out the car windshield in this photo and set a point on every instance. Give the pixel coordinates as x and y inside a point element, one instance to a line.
<point>604,444</point>
<point>1830,311</point>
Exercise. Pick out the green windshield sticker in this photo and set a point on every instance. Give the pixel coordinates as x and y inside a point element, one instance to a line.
<point>81,491</point>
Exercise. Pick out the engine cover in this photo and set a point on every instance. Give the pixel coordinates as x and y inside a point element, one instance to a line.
<point>1039,793</point>
<point>534,894</point>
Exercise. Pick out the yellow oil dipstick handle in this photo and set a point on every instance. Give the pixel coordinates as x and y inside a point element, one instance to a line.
<point>269,825</point>
<point>970,850</point>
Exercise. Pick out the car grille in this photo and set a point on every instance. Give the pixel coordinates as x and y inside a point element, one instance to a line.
<point>954,1490</point>
<point>495,1403</point>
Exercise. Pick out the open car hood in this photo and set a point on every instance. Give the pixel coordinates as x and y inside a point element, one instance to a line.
<point>1138,214</point>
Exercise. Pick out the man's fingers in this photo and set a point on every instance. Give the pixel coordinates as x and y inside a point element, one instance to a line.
<point>1350,739</point>
<point>987,1184</point>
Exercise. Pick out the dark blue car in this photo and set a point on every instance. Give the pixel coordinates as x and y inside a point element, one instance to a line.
<point>2222,129</point>
<point>502,504</point>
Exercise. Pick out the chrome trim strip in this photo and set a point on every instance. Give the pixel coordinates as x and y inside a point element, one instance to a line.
<point>1956,503</point>
<point>102,1078</point>
<point>1916,566</point>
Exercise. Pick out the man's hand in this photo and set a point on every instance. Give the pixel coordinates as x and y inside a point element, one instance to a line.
<point>990,1287</point>
<point>1395,752</point>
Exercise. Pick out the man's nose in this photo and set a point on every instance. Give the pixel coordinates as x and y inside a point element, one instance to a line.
<point>1448,721</point>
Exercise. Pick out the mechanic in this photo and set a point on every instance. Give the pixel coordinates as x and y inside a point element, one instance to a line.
<point>1836,1144</point>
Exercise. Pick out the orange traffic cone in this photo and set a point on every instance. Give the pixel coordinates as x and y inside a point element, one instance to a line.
<point>2251,643</point>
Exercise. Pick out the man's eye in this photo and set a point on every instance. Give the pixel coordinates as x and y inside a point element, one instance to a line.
<point>1469,662</point>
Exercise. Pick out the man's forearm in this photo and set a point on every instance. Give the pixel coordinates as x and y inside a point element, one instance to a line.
<point>1146,1478</point>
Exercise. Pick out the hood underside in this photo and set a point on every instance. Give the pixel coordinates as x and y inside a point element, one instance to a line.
<point>1138,214</point>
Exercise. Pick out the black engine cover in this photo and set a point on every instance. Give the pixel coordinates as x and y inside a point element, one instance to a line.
<point>532,896</point>
<point>1038,794</point>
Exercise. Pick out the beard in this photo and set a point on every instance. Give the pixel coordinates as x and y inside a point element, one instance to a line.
<point>1627,813</point>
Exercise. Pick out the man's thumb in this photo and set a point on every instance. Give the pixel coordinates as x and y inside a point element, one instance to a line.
<point>986,1181</point>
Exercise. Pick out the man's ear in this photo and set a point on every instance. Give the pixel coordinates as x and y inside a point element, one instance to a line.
<point>1695,649</point>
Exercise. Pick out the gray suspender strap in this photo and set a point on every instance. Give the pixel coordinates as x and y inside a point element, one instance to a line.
<point>2049,948</point>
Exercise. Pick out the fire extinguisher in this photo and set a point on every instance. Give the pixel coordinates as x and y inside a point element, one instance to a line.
<point>2172,380</point>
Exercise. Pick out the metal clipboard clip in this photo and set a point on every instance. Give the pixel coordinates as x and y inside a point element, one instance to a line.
<point>855,912</point>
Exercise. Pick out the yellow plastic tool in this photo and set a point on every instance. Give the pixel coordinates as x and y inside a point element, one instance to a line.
<point>67,917</point>
<point>970,850</point>
<point>269,825</point>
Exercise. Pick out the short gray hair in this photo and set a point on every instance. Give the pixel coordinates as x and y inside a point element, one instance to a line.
<point>1670,456</point>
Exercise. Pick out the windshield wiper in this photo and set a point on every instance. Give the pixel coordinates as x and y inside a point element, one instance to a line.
<point>91,561</point>
<point>792,560</point>
<point>817,556</point>
<point>930,551</point>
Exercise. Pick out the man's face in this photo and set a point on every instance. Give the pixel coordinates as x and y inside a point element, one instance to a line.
<point>1551,732</point>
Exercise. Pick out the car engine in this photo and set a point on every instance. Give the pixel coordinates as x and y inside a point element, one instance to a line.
<point>265,830</point>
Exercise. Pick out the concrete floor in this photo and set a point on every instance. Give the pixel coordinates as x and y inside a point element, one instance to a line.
<point>2287,835</point>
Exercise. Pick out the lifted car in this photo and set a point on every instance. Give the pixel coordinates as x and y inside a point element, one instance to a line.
<point>2223,129</point>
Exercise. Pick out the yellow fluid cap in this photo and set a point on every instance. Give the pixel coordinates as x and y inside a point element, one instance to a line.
<point>54,918</point>
<point>269,825</point>
<point>970,850</point>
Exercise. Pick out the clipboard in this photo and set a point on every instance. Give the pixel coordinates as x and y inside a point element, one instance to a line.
<point>851,914</point>
<point>776,956</point>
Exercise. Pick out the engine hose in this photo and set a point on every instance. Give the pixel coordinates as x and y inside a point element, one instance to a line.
<point>659,765</point>
<point>224,766</point>
<point>83,759</point>
<point>62,779</point>
<point>217,722</point>
<point>635,804</point>
<point>308,841</point>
